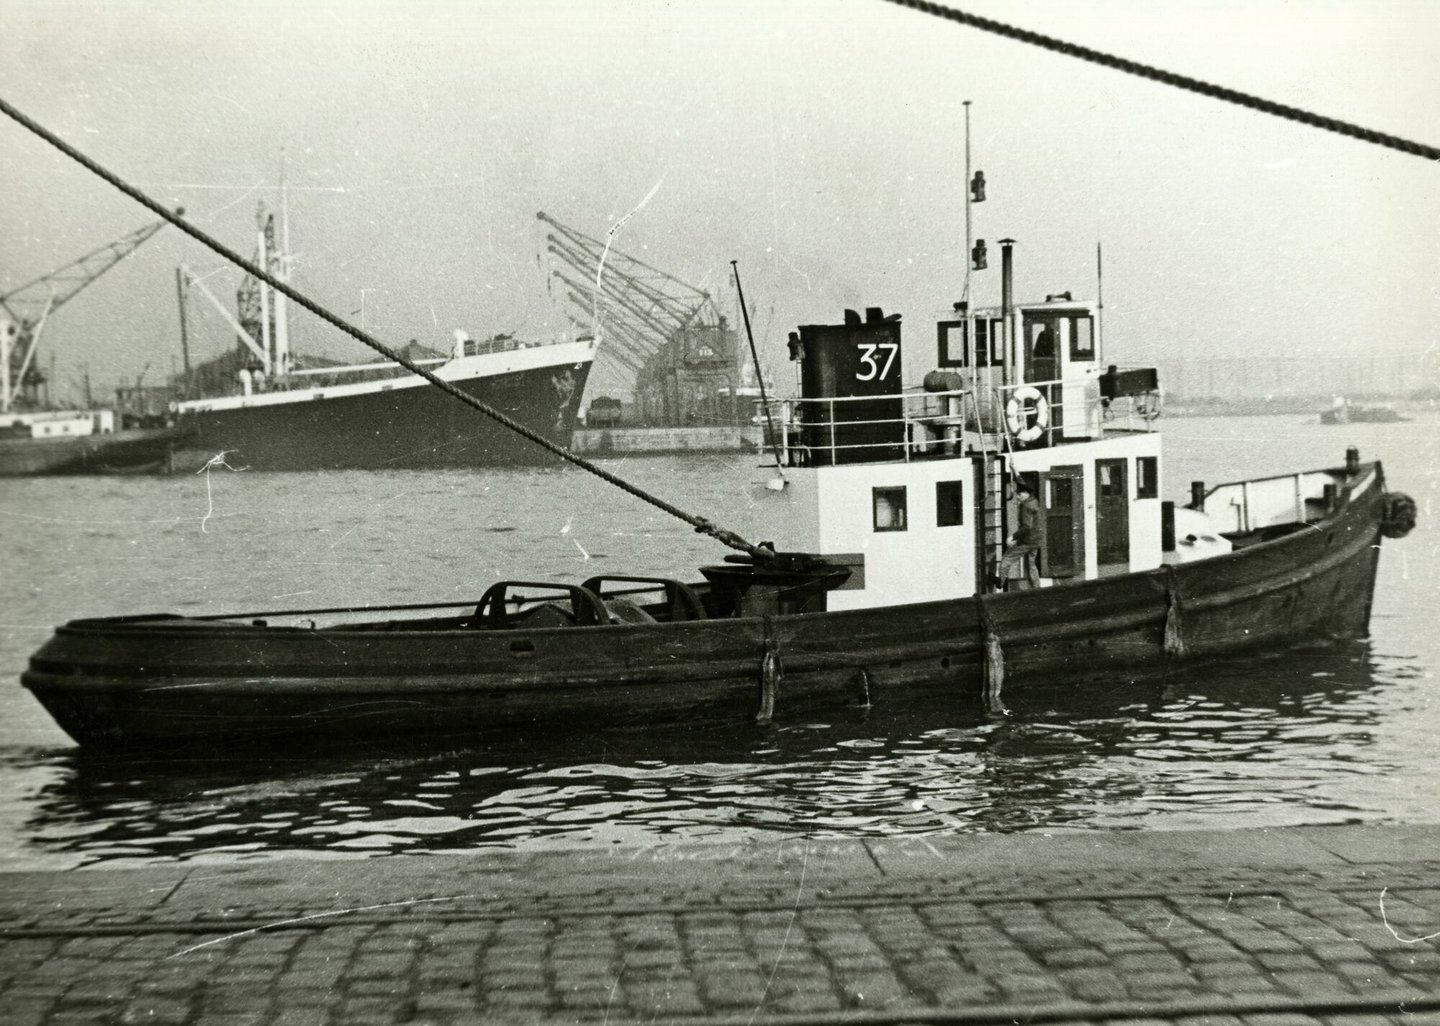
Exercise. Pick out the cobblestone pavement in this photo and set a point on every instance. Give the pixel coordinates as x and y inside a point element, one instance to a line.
<point>1251,928</point>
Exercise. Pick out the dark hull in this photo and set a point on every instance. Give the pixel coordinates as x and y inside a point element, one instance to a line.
<point>122,452</point>
<point>152,682</point>
<point>399,428</point>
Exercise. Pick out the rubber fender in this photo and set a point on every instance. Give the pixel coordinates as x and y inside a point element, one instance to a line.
<point>1397,517</point>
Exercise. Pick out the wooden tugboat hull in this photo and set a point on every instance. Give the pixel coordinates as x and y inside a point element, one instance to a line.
<point>148,683</point>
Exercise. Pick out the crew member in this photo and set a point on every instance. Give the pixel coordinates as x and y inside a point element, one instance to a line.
<point>1019,563</point>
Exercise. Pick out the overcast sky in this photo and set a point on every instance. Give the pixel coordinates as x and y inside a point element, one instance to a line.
<point>820,143</point>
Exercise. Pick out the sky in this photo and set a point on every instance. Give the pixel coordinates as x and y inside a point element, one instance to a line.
<point>819,143</point>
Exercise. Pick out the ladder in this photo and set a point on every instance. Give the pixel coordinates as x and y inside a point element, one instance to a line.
<point>992,529</point>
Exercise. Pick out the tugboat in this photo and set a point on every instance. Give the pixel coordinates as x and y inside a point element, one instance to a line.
<point>999,527</point>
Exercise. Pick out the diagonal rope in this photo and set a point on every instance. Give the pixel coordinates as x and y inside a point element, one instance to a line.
<point>700,524</point>
<point>1170,78</point>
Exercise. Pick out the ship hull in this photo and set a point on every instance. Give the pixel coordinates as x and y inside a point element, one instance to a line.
<point>402,423</point>
<point>139,451</point>
<point>155,683</point>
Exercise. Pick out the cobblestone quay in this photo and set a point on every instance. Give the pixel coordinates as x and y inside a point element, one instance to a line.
<point>1285,927</point>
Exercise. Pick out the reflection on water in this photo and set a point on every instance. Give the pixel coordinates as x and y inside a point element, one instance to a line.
<point>1288,739</point>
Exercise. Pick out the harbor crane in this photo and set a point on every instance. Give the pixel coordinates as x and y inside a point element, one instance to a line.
<point>27,309</point>
<point>656,333</point>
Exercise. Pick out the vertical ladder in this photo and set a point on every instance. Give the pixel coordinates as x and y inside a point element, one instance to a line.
<point>993,520</point>
<point>991,531</point>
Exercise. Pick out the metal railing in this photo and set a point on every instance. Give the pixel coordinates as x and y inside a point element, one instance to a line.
<point>924,424</point>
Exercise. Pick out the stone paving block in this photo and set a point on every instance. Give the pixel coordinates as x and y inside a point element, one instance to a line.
<point>1146,961</point>
<point>516,998</point>
<point>723,989</point>
<point>1291,961</point>
<point>1061,958</point>
<point>935,974</point>
<point>664,998</point>
<point>1159,982</point>
<point>874,990</point>
<point>160,1011</point>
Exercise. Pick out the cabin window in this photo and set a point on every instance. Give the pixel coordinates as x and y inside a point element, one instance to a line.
<point>889,506</point>
<point>1147,477</point>
<point>953,336</point>
<point>949,504</point>
<point>1082,339</point>
<point>1111,477</point>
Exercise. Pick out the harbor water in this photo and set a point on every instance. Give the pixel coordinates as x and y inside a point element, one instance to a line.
<point>1323,735</point>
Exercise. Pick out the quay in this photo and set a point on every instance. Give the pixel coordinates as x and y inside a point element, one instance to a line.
<point>664,441</point>
<point>1338,926</point>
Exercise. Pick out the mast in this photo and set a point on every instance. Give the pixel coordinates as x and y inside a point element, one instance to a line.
<point>969,241</point>
<point>1099,308</point>
<point>262,260</point>
<point>282,310</point>
<point>184,327</point>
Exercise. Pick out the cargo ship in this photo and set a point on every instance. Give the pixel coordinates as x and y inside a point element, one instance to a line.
<point>377,416</point>
<point>263,407</point>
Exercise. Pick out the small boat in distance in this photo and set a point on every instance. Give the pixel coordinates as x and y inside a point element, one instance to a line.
<point>999,527</point>
<point>82,442</point>
<point>1342,411</point>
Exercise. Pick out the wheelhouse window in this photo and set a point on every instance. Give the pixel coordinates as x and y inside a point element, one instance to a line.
<point>889,505</point>
<point>1082,338</point>
<point>949,504</point>
<point>1147,477</point>
<point>953,341</point>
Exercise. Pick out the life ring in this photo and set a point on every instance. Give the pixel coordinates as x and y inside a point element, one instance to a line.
<point>1397,516</point>
<point>1027,414</point>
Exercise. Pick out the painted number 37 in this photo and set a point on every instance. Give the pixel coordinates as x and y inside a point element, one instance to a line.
<point>870,364</point>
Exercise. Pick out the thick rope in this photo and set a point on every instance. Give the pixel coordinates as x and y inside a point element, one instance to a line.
<point>1170,78</point>
<point>700,524</point>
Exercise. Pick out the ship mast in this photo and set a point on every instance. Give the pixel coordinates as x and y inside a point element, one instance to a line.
<point>969,241</point>
<point>282,271</point>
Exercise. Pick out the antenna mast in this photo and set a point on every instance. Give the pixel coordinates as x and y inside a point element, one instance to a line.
<point>965,295</point>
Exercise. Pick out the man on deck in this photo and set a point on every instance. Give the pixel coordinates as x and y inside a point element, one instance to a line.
<point>1019,563</point>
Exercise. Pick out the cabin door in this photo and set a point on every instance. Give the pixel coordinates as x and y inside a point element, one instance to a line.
<point>1063,551</point>
<point>1112,513</point>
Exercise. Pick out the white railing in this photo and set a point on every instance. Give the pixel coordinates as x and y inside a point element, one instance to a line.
<point>930,424</point>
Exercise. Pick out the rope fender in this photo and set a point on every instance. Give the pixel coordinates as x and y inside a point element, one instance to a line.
<point>771,674</point>
<point>992,658</point>
<point>1173,644</point>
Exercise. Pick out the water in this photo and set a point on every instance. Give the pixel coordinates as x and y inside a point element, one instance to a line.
<point>1324,736</point>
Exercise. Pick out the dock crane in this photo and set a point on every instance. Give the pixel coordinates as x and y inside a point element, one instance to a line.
<point>651,325</point>
<point>24,312</point>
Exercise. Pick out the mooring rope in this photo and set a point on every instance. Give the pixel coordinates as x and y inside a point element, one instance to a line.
<point>1170,78</point>
<point>701,524</point>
